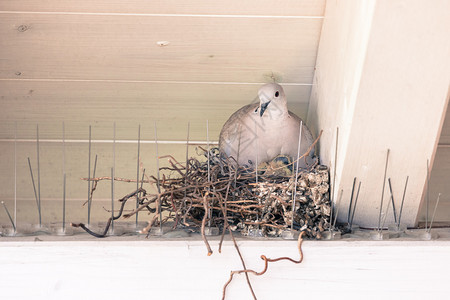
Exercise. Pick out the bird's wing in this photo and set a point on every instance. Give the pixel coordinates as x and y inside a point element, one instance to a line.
<point>230,130</point>
<point>307,137</point>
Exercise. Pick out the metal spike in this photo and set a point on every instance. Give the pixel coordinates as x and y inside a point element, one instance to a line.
<point>209,173</point>
<point>64,204</point>
<point>157,178</point>
<point>64,178</point>
<point>434,213</point>
<point>187,170</point>
<point>15,175</point>
<point>207,140</point>
<point>113,177</point>
<point>351,201</point>
<point>237,161</point>
<point>428,194</point>
<point>9,216</point>
<point>257,153</point>
<point>334,178</point>
<point>187,157</point>
<point>34,188</point>
<point>63,147</point>
<point>401,206</point>
<point>385,214</point>
<point>39,176</point>
<point>392,200</point>
<point>187,147</point>
<point>137,171</point>
<point>92,186</point>
<point>354,206</point>
<point>296,173</point>
<point>382,191</point>
<point>112,201</point>
<point>338,207</point>
<point>89,176</point>
<point>114,147</point>
<point>142,179</point>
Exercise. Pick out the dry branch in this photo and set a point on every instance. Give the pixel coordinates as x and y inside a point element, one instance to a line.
<point>266,264</point>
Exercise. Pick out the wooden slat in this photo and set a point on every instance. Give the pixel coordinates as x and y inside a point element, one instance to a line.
<point>250,7</point>
<point>100,104</point>
<point>124,48</point>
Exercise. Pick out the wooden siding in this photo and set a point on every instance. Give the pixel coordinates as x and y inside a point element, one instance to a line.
<point>98,62</point>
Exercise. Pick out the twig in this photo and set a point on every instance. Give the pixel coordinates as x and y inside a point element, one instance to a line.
<point>115,179</point>
<point>108,224</point>
<point>205,217</point>
<point>266,264</point>
<point>226,225</point>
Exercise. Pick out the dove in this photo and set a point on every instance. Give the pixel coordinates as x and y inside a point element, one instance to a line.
<point>262,131</point>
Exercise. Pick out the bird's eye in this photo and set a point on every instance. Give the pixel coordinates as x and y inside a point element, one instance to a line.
<point>277,94</point>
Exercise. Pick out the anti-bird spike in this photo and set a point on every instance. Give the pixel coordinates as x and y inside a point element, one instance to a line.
<point>137,171</point>
<point>39,176</point>
<point>89,176</point>
<point>334,178</point>
<point>296,174</point>
<point>382,191</point>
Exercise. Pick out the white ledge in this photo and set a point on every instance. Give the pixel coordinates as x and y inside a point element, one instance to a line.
<point>135,268</point>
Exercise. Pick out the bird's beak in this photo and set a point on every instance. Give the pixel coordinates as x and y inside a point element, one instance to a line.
<point>263,108</point>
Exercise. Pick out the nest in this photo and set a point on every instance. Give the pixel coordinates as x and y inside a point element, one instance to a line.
<point>217,193</point>
<point>275,194</point>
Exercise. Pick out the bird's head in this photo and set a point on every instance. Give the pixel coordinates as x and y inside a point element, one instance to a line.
<point>272,98</point>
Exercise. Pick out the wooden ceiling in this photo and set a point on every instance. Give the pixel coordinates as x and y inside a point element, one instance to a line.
<point>98,62</point>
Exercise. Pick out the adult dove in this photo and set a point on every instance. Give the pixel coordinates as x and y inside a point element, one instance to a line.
<point>262,131</point>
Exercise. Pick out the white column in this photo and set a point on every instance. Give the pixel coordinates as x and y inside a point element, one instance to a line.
<point>382,77</point>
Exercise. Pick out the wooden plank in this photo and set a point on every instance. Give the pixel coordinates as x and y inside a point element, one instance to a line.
<point>233,7</point>
<point>100,104</point>
<point>335,270</point>
<point>125,48</point>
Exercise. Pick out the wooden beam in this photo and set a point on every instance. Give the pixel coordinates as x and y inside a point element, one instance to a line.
<point>386,88</point>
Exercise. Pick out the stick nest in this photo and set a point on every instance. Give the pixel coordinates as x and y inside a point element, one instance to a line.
<point>190,196</point>
<point>234,198</point>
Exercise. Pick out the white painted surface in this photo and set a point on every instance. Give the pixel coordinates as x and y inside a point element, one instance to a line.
<point>382,76</point>
<point>182,270</point>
